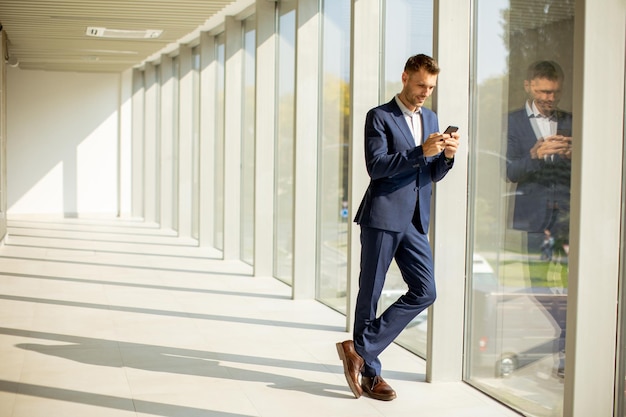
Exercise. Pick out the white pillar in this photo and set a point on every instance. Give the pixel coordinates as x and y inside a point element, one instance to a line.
<point>366,74</point>
<point>232,138</point>
<point>125,145</point>
<point>138,103</point>
<point>207,139</point>
<point>265,138</point>
<point>185,142</point>
<point>167,198</point>
<point>449,227</point>
<point>597,164</point>
<point>150,142</point>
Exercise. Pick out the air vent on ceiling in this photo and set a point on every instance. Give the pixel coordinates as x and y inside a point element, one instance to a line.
<point>123,34</point>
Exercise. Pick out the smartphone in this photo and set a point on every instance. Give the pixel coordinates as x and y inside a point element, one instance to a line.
<point>450,129</point>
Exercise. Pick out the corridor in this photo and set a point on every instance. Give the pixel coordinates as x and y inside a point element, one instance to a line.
<point>118,318</point>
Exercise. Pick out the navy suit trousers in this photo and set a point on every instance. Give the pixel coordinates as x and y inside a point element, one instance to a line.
<point>411,250</point>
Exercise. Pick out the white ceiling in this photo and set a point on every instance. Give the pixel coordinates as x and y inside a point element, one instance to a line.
<point>51,35</point>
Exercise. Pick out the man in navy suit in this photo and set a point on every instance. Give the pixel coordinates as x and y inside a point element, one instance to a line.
<point>404,155</point>
<point>539,150</point>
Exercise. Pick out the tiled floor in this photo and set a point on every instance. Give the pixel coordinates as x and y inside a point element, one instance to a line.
<point>118,318</point>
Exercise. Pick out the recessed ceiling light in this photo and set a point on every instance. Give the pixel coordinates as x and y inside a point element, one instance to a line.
<point>100,32</point>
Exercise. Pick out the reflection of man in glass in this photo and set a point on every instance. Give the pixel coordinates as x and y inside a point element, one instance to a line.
<point>539,160</point>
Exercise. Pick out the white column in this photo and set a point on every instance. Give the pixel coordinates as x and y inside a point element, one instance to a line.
<point>265,138</point>
<point>125,144</point>
<point>138,103</point>
<point>366,73</point>
<point>185,140</point>
<point>150,140</point>
<point>207,139</point>
<point>305,174</point>
<point>597,163</point>
<point>448,230</point>
<point>232,138</point>
<point>166,194</point>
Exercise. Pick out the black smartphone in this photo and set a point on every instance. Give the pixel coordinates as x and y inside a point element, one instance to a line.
<point>449,130</point>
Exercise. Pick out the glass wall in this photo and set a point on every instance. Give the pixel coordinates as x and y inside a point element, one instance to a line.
<point>220,61</point>
<point>247,140</point>
<point>520,164</point>
<point>408,30</point>
<point>332,193</point>
<point>285,137</point>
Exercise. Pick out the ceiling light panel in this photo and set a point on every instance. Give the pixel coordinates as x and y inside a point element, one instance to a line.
<point>100,32</point>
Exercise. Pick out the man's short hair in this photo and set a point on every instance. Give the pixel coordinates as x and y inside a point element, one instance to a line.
<point>545,69</point>
<point>421,61</point>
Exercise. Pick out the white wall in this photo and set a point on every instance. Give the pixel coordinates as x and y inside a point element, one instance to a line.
<point>62,142</point>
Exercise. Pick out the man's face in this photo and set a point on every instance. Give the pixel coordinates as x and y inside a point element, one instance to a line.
<point>417,87</point>
<point>545,93</point>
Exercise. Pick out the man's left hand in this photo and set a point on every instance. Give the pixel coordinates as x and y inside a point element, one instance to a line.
<point>451,145</point>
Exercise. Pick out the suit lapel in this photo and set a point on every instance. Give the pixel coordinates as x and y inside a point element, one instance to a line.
<point>400,121</point>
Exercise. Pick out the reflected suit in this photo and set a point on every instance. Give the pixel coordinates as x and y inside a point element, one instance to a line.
<point>542,198</point>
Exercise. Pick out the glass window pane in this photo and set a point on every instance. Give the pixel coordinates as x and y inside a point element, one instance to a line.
<point>520,192</point>
<point>247,145</point>
<point>408,31</point>
<point>285,136</point>
<point>333,155</point>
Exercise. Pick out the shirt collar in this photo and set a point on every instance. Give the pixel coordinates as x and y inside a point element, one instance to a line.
<point>532,111</point>
<point>404,109</point>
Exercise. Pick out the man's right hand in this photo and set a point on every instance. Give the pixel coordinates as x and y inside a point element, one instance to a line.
<point>435,144</point>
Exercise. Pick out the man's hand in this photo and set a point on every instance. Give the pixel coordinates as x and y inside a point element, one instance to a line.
<point>441,142</point>
<point>452,145</point>
<point>552,145</point>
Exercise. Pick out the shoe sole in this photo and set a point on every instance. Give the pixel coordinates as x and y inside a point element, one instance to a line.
<point>379,397</point>
<point>356,390</point>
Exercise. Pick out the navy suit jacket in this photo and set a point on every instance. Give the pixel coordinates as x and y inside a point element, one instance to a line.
<point>542,186</point>
<point>401,176</point>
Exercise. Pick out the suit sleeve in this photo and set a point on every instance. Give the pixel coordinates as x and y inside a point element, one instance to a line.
<point>519,164</point>
<point>439,168</point>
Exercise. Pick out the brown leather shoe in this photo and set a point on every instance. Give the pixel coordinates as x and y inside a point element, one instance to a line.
<point>377,388</point>
<point>352,365</point>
